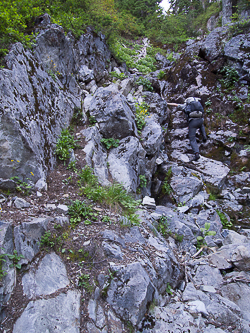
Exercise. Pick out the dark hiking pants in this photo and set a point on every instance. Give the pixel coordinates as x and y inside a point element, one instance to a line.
<point>193,125</point>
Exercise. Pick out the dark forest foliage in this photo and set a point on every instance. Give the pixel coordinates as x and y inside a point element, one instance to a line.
<point>115,18</point>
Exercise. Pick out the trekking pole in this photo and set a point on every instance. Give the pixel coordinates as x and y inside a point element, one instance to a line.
<point>173,104</point>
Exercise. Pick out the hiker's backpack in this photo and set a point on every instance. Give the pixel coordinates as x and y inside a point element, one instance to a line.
<point>194,108</point>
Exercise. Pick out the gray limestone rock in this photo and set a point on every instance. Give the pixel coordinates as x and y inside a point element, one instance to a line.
<point>214,172</point>
<point>96,156</point>
<point>126,163</point>
<point>27,237</point>
<point>112,250</point>
<point>152,136</point>
<point>131,292</point>
<point>112,112</point>
<point>59,314</point>
<point>34,118</point>
<point>185,188</point>
<point>212,46</point>
<point>50,276</point>
<point>9,279</point>
<point>21,203</point>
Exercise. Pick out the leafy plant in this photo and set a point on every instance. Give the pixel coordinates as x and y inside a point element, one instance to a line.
<point>141,114</point>
<point>47,239</point>
<point>163,226</point>
<point>65,143</point>
<point>21,186</point>
<point>84,281</point>
<point>72,166</point>
<point>205,232</point>
<point>120,76</point>
<point>208,102</point>
<point>15,259</point>
<point>169,289</point>
<point>79,210</point>
<point>226,224</point>
<point>143,81</point>
<point>143,181</point>
<point>106,219</point>
<point>115,196</point>
<point>111,142</point>
<point>161,75</point>
<point>230,76</point>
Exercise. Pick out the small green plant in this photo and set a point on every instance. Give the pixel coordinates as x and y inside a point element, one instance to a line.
<point>77,115</point>
<point>205,232</point>
<point>67,180</point>
<point>163,226</point>
<point>161,75</point>
<point>143,181</point>
<point>166,187</point>
<point>72,166</point>
<point>226,224</point>
<point>120,76</point>
<point>110,143</point>
<point>52,74</point>
<point>47,239</point>
<point>84,281</point>
<point>143,81</point>
<point>79,211</point>
<point>169,289</point>
<point>92,120</point>
<point>15,259</point>
<point>65,143</point>
<point>141,114</point>
<point>106,219</point>
<point>178,238</point>
<point>171,57</point>
<point>230,76</point>
<point>247,147</point>
<point>21,186</point>
<point>208,102</point>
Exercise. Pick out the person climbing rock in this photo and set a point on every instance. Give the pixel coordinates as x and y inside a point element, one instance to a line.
<point>195,116</point>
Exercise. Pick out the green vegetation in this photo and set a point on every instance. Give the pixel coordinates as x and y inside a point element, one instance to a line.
<point>143,81</point>
<point>205,232</point>
<point>65,143</point>
<point>114,196</point>
<point>230,77</point>
<point>143,181</point>
<point>140,115</point>
<point>110,143</point>
<point>163,226</point>
<point>120,76</point>
<point>166,187</point>
<point>84,281</point>
<point>169,289</point>
<point>15,258</point>
<point>161,75</point>
<point>79,211</point>
<point>226,224</point>
<point>21,186</point>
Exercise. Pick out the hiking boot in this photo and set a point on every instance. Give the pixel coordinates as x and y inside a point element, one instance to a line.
<point>196,156</point>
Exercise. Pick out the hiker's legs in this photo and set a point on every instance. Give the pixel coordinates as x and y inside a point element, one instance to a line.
<point>192,127</point>
<point>203,132</point>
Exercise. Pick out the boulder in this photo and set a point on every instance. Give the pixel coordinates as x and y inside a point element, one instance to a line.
<point>58,314</point>
<point>27,237</point>
<point>112,112</point>
<point>130,292</point>
<point>50,276</point>
<point>126,162</point>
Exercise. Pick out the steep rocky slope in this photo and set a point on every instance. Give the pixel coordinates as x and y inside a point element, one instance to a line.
<point>180,269</point>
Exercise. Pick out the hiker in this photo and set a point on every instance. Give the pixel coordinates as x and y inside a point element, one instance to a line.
<point>194,114</point>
